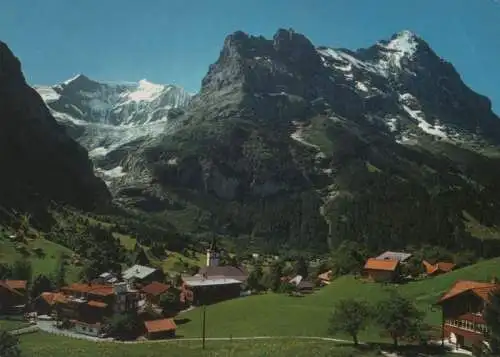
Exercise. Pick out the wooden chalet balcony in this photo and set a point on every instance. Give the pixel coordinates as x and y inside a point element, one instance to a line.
<point>468,325</point>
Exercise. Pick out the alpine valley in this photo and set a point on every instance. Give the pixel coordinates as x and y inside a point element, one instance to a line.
<point>286,146</point>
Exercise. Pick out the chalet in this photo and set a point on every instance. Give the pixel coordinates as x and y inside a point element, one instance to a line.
<point>462,312</point>
<point>378,270</point>
<point>153,291</point>
<point>46,302</point>
<point>12,294</point>
<point>87,305</point>
<point>142,274</point>
<point>437,268</point>
<point>158,329</point>
<point>399,256</point>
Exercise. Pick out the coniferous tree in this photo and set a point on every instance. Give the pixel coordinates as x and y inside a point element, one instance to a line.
<point>301,267</point>
<point>41,284</point>
<point>254,280</point>
<point>60,273</point>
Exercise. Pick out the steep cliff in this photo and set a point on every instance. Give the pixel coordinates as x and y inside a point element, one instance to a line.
<point>39,162</point>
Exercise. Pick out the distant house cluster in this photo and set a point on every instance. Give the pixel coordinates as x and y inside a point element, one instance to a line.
<point>86,306</point>
<point>387,267</point>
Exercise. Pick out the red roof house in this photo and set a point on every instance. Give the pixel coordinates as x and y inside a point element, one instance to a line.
<point>379,270</point>
<point>437,268</point>
<point>463,306</point>
<point>156,329</point>
<point>154,290</point>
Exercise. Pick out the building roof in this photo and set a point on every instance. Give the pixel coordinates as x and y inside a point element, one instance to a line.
<point>155,288</point>
<point>16,284</point>
<point>445,266</point>
<point>96,289</point>
<point>98,304</point>
<point>440,266</point>
<point>160,325</point>
<point>53,298</point>
<point>138,272</point>
<point>481,289</point>
<point>400,256</point>
<point>200,281</point>
<point>226,271</point>
<point>5,286</point>
<point>381,264</point>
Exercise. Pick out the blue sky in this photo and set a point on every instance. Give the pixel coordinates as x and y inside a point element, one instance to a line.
<point>174,41</point>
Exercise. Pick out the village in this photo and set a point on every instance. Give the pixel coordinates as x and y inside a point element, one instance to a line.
<point>139,304</point>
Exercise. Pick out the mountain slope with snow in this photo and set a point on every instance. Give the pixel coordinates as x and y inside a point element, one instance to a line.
<point>105,117</point>
<point>122,104</point>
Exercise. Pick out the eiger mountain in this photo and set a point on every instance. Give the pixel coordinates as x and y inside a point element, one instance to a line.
<point>39,162</point>
<point>292,145</point>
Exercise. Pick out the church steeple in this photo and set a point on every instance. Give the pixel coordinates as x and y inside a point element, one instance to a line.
<point>213,244</point>
<point>213,253</point>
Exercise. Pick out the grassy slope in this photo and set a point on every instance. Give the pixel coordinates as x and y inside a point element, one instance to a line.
<point>478,230</point>
<point>9,325</point>
<point>43,345</point>
<point>274,315</point>
<point>45,264</point>
<point>173,261</point>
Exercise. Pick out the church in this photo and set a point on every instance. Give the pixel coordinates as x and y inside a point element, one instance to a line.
<point>215,282</point>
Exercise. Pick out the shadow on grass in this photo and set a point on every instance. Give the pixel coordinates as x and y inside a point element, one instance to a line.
<point>182,321</point>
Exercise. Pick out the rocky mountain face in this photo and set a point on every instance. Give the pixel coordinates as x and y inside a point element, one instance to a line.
<point>109,119</point>
<point>40,162</point>
<point>292,145</point>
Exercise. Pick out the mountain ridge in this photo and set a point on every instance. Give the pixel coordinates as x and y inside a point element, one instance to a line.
<point>292,145</point>
<point>288,143</point>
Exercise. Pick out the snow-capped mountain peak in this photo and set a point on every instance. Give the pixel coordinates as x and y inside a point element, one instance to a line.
<point>74,79</point>
<point>146,91</point>
<point>404,43</point>
<point>129,104</point>
<point>106,117</point>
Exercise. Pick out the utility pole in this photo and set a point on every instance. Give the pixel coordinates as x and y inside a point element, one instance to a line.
<point>204,325</point>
